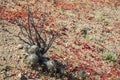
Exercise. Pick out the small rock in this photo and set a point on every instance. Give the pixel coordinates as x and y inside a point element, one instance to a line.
<point>26,47</point>
<point>31,59</point>
<point>50,64</point>
<point>33,49</point>
<point>20,46</point>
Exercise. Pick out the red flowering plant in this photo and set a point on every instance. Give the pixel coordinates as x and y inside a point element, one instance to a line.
<point>88,44</point>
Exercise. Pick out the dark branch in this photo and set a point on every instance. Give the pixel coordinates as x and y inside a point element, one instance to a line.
<point>23,39</point>
<point>33,34</point>
<point>29,26</point>
<point>50,43</point>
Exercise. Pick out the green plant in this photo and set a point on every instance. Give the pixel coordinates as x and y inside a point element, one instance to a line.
<point>109,56</point>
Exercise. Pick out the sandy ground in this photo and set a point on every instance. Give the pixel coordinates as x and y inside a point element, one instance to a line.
<point>10,62</point>
<point>9,52</point>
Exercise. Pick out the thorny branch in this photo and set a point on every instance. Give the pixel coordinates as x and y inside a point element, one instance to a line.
<point>34,37</point>
<point>33,34</point>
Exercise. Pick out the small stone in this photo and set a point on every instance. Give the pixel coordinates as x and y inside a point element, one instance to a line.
<point>26,47</point>
<point>20,46</point>
<point>31,59</point>
<point>33,49</point>
<point>50,64</point>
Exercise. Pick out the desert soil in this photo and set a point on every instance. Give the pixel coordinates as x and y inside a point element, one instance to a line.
<point>104,25</point>
<point>9,53</point>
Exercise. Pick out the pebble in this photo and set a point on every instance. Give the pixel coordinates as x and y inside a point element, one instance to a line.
<point>33,49</point>
<point>31,59</point>
<point>26,46</point>
<point>20,46</point>
<point>50,64</point>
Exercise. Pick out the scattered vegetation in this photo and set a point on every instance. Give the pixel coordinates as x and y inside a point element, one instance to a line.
<point>87,37</point>
<point>109,56</point>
